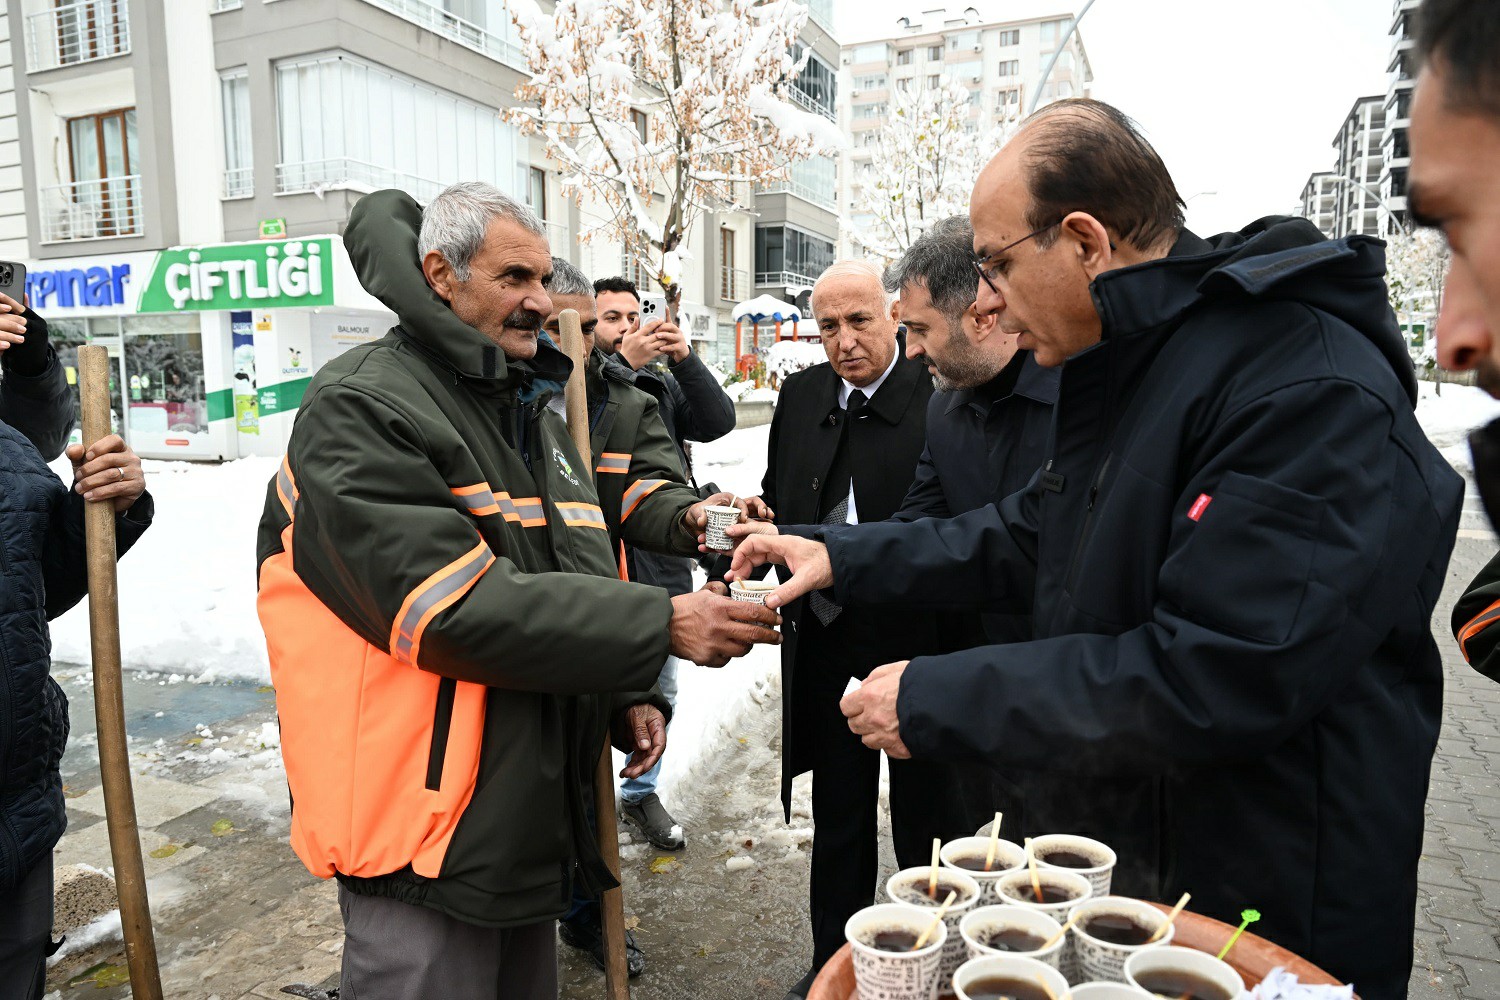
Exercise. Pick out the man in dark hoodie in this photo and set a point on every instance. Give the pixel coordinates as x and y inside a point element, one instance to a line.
<point>1454,187</point>
<point>1231,554</point>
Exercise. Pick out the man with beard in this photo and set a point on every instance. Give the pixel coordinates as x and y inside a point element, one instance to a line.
<point>448,636</point>
<point>1454,187</point>
<point>1232,554</point>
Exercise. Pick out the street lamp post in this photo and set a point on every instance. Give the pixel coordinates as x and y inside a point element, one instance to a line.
<point>1062,43</point>
<point>1396,216</point>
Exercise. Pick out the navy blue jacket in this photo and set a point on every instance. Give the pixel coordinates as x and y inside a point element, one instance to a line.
<point>984,444</point>
<point>1232,556</point>
<point>42,574</point>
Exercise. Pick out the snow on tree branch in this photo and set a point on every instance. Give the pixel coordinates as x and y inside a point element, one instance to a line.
<point>710,80</point>
<point>924,165</point>
<point>1416,264</point>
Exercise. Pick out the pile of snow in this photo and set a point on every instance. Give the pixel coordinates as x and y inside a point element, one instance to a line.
<point>787,356</point>
<point>1448,418</point>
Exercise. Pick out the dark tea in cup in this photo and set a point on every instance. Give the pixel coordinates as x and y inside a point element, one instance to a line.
<point>1117,928</point>
<point>916,894</point>
<point>1064,858</point>
<point>1181,984</point>
<point>1051,893</point>
<point>1004,988</point>
<point>1015,939</point>
<point>891,939</point>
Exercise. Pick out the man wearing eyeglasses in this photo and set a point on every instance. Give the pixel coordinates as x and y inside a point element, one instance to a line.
<point>1231,555</point>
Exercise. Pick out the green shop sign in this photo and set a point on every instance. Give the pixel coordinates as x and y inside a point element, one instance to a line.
<point>280,275</point>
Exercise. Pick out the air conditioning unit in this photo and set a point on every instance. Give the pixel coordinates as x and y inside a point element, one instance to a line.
<point>979,48</point>
<point>976,79</point>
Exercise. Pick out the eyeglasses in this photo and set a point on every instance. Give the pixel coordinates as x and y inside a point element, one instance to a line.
<point>989,272</point>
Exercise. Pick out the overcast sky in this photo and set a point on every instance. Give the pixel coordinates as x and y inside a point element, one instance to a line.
<point>1243,99</point>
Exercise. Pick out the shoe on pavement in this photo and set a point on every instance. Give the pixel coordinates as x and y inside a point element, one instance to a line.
<point>800,991</point>
<point>584,933</point>
<point>657,825</point>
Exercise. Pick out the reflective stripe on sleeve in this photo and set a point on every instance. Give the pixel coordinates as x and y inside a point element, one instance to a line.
<point>614,462</point>
<point>286,486</point>
<point>1476,625</point>
<point>432,596</point>
<point>477,499</point>
<point>639,490</point>
<point>582,515</point>
<point>528,512</point>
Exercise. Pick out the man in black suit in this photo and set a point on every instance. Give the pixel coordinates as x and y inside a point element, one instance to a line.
<point>844,446</point>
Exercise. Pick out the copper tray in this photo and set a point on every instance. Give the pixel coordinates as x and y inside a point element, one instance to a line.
<point>1252,957</point>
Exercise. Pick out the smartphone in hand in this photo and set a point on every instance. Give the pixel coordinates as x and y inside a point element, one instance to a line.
<point>13,279</point>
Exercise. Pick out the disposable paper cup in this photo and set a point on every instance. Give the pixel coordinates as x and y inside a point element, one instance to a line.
<point>1027,970</point>
<point>1200,963</point>
<point>985,920</point>
<point>895,975</point>
<point>969,895</point>
<point>719,518</point>
<point>1008,857</point>
<point>1014,889</point>
<point>1100,874</point>
<point>1107,991</point>
<point>751,591</point>
<point>1102,961</point>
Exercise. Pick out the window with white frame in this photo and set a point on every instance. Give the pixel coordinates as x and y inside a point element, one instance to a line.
<point>875,81</point>
<point>903,58</point>
<point>935,52</point>
<point>344,121</point>
<point>1011,37</point>
<point>234,93</point>
<point>1010,67</point>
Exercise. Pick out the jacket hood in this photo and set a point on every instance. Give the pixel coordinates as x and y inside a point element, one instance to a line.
<point>382,242</point>
<point>1273,259</point>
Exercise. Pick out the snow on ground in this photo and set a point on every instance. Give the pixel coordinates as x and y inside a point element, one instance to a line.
<point>187,606</point>
<point>1448,418</point>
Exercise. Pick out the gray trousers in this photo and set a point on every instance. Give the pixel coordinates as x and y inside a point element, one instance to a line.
<point>26,935</point>
<point>397,951</point>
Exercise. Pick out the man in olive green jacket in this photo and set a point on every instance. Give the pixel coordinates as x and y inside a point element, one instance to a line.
<point>448,637</point>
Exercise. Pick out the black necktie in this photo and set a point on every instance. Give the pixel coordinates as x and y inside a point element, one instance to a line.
<point>825,609</point>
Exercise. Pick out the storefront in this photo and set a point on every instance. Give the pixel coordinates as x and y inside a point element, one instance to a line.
<point>212,346</point>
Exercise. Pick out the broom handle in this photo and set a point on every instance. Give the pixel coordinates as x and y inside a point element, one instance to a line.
<point>109,698</point>
<point>612,905</point>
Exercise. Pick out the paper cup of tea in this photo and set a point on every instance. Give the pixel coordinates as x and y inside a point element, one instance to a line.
<point>1174,971</point>
<point>1061,891</point>
<point>968,855</point>
<point>1089,858</point>
<point>751,591</point>
<point>1108,991</point>
<point>1011,930</point>
<point>1109,931</point>
<point>719,518</point>
<point>1008,976</point>
<point>881,939</point>
<point>909,887</point>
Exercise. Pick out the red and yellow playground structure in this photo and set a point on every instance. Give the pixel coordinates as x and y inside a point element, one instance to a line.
<point>763,309</point>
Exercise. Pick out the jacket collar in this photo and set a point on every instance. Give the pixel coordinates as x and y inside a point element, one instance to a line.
<point>895,393</point>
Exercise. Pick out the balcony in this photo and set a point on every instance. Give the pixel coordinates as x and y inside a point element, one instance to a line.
<point>215,6</point>
<point>800,190</point>
<point>77,33</point>
<point>91,210</point>
<point>808,104</point>
<point>454,28</point>
<point>239,182</point>
<point>321,175</point>
<point>733,284</point>
<point>787,279</point>
<point>559,240</point>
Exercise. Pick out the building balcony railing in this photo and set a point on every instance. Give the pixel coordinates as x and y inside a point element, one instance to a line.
<point>321,175</point>
<point>806,103</point>
<point>214,6</point>
<point>559,240</point>
<point>91,210</point>
<point>239,182</point>
<point>76,33</point>
<point>792,187</point>
<point>454,28</point>
<point>733,284</point>
<point>783,278</point>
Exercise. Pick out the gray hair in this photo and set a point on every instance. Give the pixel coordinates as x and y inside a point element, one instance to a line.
<point>942,261</point>
<point>568,280</point>
<point>853,269</point>
<point>454,223</point>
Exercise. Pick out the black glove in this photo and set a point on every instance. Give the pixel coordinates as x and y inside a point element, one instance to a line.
<point>34,357</point>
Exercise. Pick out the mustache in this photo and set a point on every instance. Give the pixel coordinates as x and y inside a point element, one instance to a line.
<point>1487,376</point>
<point>525,319</point>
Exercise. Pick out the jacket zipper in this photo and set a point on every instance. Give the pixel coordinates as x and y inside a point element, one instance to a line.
<point>1088,521</point>
<point>442,721</point>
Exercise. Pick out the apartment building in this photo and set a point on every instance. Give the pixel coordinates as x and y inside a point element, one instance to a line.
<point>1372,153</point>
<point>1000,62</point>
<point>1319,198</point>
<point>184,170</point>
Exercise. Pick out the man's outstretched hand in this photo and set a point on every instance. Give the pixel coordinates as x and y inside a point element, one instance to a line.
<point>711,630</point>
<point>808,561</point>
<point>641,731</point>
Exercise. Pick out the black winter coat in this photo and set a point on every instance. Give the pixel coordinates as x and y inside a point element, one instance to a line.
<point>1232,555</point>
<point>695,408</point>
<point>42,574</point>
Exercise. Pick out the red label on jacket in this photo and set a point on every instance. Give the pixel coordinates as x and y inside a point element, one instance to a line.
<point>1199,506</point>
